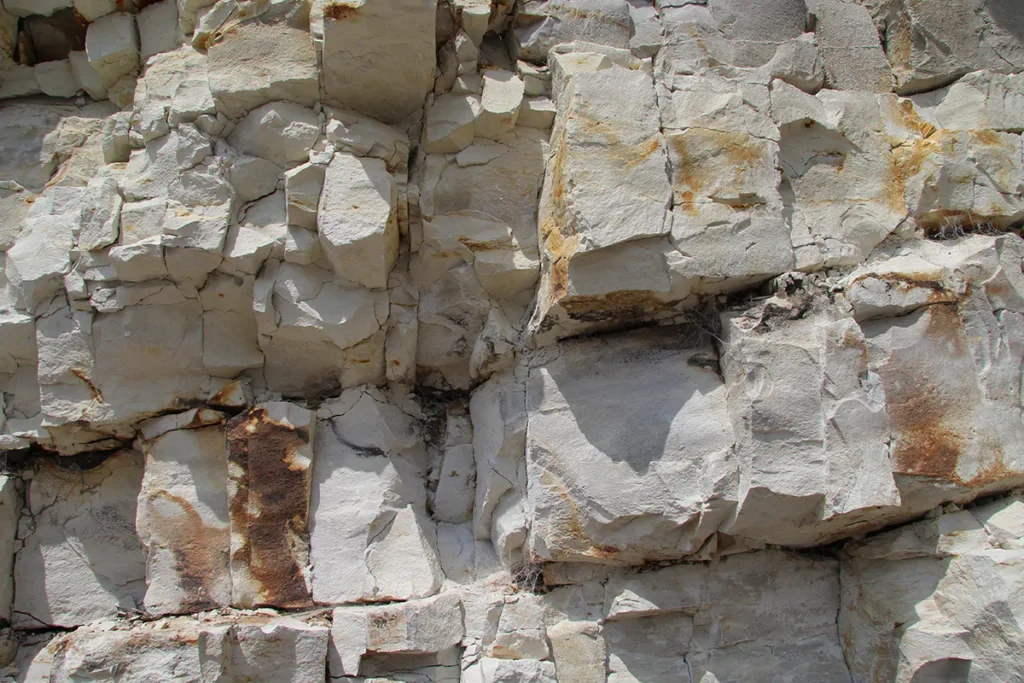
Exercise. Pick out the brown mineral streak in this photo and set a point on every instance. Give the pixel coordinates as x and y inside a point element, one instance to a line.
<point>339,11</point>
<point>930,441</point>
<point>200,553</point>
<point>97,395</point>
<point>264,450</point>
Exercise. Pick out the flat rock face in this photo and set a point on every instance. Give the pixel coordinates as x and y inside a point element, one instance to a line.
<point>368,508</point>
<point>373,66</point>
<point>628,484</point>
<point>593,341</point>
<point>183,520</point>
<point>79,559</point>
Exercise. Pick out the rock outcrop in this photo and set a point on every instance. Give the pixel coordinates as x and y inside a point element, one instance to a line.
<point>497,341</point>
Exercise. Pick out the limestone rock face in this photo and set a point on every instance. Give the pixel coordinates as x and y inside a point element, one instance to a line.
<point>483,341</point>
<point>77,563</point>
<point>587,454</point>
<point>913,598</point>
<point>370,66</point>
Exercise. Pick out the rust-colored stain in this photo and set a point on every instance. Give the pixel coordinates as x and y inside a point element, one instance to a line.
<point>987,137</point>
<point>386,627</point>
<point>474,245</point>
<point>929,421</point>
<point>200,554</point>
<point>339,11</point>
<point>899,39</point>
<point>688,204</point>
<point>642,152</point>
<point>613,307</point>
<point>264,450</point>
<point>905,282</point>
<point>691,156</point>
<point>927,446</point>
<point>97,395</point>
<point>571,526</point>
<point>685,168</point>
<point>910,119</point>
<point>905,162</point>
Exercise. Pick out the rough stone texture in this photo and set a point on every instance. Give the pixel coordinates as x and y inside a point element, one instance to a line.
<point>267,58</point>
<point>929,47</point>
<point>183,516</point>
<point>357,220</point>
<point>79,559</point>
<point>921,601</point>
<point>272,649</point>
<point>270,453</point>
<point>555,340</point>
<point>373,65</point>
<point>588,454</point>
<point>370,539</point>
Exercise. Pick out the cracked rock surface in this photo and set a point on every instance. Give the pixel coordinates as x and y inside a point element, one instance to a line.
<point>511,341</point>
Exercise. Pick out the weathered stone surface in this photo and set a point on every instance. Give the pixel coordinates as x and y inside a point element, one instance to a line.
<point>270,453</point>
<point>278,649</point>
<point>10,510</point>
<point>302,186</point>
<point>79,559</point>
<point>112,46</point>
<point>281,132</point>
<point>578,435</point>
<point>732,622</point>
<point>183,518</point>
<point>606,186</point>
<point>318,334</point>
<point>357,220</point>
<point>930,46</point>
<point>585,302</point>
<point>542,24</point>
<point>854,59</point>
<point>373,65</point>
<point>868,409</point>
<point>262,60</point>
<point>92,372</point>
<point>370,539</point>
<point>916,602</point>
<point>415,627</point>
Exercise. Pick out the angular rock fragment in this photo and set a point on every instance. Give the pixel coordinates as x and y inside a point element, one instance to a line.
<point>318,333</point>
<point>112,45</point>
<point>915,600</point>
<point>302,186</point>
<point>370,538</point>
<point>415,627</point>
<point>276,649</point>
<point>357,220</point>
<point>499,104</point>
<point>281,132</point>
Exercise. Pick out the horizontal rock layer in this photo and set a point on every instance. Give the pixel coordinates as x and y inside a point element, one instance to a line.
<point>549,340</point>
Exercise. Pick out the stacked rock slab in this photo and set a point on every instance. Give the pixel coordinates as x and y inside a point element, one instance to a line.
<point>483,341</point>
